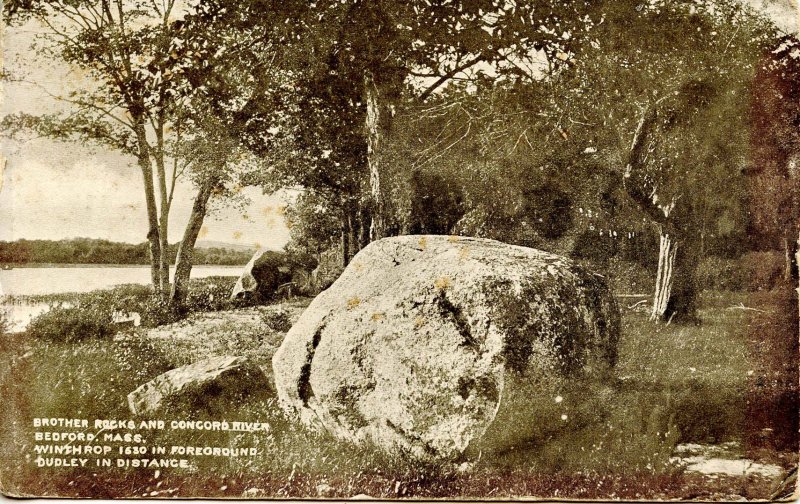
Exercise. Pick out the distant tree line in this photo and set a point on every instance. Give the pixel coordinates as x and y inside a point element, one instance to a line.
<point>94,251</point>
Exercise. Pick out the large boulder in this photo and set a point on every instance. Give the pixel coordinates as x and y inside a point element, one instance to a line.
<point>210,385</point>
<point>430,345</point>
<point>266,271</point>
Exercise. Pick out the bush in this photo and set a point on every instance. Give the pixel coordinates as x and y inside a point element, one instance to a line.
<point>154,312</point>
<point>624,277</point>
<point>594,246</point>
<point>328,269</point>
<point>72,324</point>
<point>79,316</point>
<point>277,320</point>
<point>754,271</point>
<point>764,270</point>
<point>715,273</point>
<point>210,294</point>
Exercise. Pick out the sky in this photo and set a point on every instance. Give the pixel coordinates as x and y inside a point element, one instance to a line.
<point>56,190</point>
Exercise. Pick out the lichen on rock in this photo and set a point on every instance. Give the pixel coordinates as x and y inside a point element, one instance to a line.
<point>448,337</point>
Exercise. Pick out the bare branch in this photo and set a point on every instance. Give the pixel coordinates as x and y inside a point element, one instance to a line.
<point>107,112</point>
<point>447,76</point>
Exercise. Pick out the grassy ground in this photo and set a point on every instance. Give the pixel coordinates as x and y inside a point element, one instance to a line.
<point>732,378</point>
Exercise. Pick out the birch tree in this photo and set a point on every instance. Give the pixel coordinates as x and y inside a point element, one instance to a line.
<point>133,98</point>
<point>670,117</point>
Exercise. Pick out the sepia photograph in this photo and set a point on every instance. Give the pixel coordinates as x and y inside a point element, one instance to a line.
<point>400,250</point>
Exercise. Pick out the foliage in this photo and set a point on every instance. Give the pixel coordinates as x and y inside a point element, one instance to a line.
<point>754,271</point>
<point>276,320</point>
<point>211,294</point>
<point>327,58</point>
<point>675,86</point>
<point>75,317</point>
<point>328,269</point>
<point>775,143</point>
<point>136,99</point>
<point>313,225</point>
<point>73,324</point>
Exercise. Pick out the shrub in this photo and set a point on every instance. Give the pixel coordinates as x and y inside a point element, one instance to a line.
<point>210,294</point>
<point>78,316</point>
<point>154,312</point>
<point>277,320</point>
<point>764,270</point>
<point>754,271</point>
<point>594,246</point>
<point>715,273</point>
<point>72,324</point>
<point>624,277</point>
<point>328,269</point>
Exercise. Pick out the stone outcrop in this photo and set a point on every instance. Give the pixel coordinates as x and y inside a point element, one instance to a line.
<point>266,271</point>
<point>212,385</point>
<point>430,345</point>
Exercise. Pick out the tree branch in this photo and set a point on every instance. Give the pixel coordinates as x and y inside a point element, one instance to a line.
<point>104,111</point>
<point>641,145</point>
<point>444,78</point>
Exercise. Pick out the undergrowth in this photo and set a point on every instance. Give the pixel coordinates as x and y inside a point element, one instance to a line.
<point>673,384</point>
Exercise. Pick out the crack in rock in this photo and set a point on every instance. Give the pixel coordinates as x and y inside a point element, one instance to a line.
<point>304,390</point>
<point>457,315</point>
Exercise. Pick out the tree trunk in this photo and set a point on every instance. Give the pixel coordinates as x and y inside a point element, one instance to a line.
<point>153,234</point>
<point>363,227</point>
<point>352,238</point>
<point>675,296</point>
<point>185,258</point>
<point>375,127</point>
<point>164,257</point>
<point>788,267</point>
<point>666,266</point>
<point>163,220</point>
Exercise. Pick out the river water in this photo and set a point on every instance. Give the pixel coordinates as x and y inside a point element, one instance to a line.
<point>77,278</point>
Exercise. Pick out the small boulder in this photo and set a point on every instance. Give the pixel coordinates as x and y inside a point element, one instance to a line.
<point>430,345</point>
<point>266,271</point>
<point>211,385</point>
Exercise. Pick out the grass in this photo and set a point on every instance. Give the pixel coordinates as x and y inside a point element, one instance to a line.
<point>75,316</point>
<point>731,378</point>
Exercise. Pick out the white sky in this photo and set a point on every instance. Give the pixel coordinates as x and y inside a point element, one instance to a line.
<point>53,190</point>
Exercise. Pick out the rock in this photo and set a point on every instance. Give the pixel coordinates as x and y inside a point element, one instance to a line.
<point>255,493</point>
<point>262,276</point>
<point>212,385</point>
<point>430,345</point>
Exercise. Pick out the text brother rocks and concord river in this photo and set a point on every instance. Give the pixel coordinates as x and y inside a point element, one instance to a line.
<point>81,442</point>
